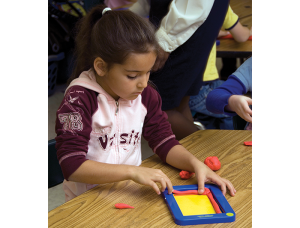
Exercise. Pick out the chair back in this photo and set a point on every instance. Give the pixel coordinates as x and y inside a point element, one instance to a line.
<point>55,175</point>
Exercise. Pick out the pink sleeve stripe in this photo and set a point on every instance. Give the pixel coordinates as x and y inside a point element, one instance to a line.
<point>162,142</point>
<point>70,155</point>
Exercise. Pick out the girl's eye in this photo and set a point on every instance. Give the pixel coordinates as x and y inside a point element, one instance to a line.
<point>131,77</point>
<point>134,77</point>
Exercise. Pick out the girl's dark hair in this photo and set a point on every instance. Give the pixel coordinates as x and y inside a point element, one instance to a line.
<point>111,37</point>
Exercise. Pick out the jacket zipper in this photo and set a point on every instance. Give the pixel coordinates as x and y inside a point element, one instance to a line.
<point>117,149</point>
<point>117,103</point>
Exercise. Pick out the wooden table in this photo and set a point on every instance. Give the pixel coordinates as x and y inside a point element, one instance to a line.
<point>95,208</point>
<point>229,48</point>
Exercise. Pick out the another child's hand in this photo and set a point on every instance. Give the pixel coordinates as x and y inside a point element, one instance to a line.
<point>223,33</point>
<point>149,177</point>
<point>205,174</point>
<point>161,59</point>
<point>240,105</point>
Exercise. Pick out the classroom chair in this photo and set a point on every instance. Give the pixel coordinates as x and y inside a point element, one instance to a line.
<point>55,175</point>
<point>239,123</point>
<point>198,124</point>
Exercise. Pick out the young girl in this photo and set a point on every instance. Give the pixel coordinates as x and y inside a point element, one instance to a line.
<point>109,106</point>
<point>229,99</point>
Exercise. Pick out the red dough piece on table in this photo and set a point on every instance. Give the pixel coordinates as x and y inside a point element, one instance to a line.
<point>186,174</point>
<point>122,206</point>
<point>248,143</point>
<point>213,163</point>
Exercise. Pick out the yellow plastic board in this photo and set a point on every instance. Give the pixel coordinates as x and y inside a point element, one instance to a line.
<point>194,204</point>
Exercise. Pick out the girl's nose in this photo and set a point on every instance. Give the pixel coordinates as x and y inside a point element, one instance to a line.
<point>143,81</point>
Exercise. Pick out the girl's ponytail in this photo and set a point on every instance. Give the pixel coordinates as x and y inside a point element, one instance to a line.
<point>96,14</point>
<point>83,41</point>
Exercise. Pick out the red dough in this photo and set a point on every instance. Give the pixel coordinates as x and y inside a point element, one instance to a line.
<point>212,200</point>
<point>229,36</point>
<point>213,163</point>
<point>122,206</point>
<point>188,192</point>
<point>206,192</point>
<point>185,174</point>
<point>248,143</point>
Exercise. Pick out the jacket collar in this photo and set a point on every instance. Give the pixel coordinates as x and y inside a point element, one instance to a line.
<point>87,79</point>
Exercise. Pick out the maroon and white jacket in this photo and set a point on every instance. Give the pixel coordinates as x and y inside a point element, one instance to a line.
<point>90,124</point>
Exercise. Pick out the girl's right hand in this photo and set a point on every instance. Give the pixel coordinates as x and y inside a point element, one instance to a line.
<point>149,177</point>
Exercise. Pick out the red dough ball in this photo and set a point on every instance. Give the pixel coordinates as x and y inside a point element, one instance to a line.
<point>186,174</point>
<point>213,163</point>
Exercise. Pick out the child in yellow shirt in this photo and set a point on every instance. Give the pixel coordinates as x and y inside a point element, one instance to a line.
<point>211,78</point>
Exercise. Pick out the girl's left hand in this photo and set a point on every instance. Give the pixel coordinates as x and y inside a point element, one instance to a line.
<point>205,174</point>
<point>181,158</point>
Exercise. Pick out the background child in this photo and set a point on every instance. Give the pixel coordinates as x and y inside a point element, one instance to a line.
<point>211,77</point>
<point>228,98</point>
<point>186,32</point>
<point>108,106</point>
<point>119,4</point>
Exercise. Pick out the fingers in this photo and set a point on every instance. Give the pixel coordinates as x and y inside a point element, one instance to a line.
<point>201,182</point>
<point>155,187</point>
<point>159,57</point>
<point>150,177</point>
<point>156,65</point>
<point>230,187</point>
<point>222,186</point>
<point>159,63</point>
<point>246,106</point>
<point>243,109</point>
<point>246,117</point>
<point>249,101</point>
<point>247,113</point>
<point>207,174</point>
<point>232,190</point>
<point>160,60</point>
<point>169,186</point>
<point>165,182</point>
<point>223,33</point>
<point>224,183</point>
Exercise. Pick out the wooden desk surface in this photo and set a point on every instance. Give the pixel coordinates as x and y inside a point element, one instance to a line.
<point>95,208</point>
<point>230,48</point>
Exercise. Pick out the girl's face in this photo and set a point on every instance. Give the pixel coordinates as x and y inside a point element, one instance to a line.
<point>129,79</point>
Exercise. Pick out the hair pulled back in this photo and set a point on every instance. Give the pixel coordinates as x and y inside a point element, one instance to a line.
<point>112,37</point>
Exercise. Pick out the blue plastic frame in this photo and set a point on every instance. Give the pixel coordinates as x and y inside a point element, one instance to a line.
<point>227,215</point>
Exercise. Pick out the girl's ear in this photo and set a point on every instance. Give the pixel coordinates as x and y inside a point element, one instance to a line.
<point>100,66</point>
